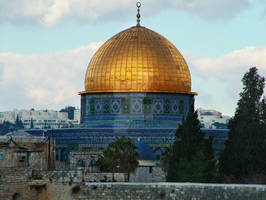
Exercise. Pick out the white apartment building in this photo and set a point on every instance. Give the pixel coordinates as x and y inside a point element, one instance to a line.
<point>77,116</point>
<point>40,118</point>
<point>208,118</point>
<point>76,119</point>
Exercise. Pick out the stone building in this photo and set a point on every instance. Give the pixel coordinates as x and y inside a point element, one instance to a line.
<point>148,171</point>
<point>136,79</point>
<point>86,160</point>
<point>212,119</point>
<point>137,85</point>
<point>20,149</point>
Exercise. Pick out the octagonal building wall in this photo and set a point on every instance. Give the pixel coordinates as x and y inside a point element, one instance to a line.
<point>134,110</point>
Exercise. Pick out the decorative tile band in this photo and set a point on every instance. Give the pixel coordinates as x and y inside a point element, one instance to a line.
<point>134,107</point>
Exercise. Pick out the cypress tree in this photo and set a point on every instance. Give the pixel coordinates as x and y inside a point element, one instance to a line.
<point>31,123</point>
<point>191,155</point>
<point>19,123</point>
<point>244,154</point>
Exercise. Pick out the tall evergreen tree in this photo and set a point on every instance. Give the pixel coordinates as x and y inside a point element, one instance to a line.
<point>245,150</point>
<point>31,123</point>
<point>191,155</point>
<point>19,123</point>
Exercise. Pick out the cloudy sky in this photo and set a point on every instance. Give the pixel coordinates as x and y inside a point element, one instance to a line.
<point>45,45</point>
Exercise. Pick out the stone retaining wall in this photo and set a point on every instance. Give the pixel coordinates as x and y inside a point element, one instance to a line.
<point>14,184</point>
<point>66,185</point>
<point>171,191</point>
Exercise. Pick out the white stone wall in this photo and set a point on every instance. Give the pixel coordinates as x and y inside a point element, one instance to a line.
<point>77,115</point>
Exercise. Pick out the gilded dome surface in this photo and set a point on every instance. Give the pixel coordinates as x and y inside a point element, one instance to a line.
<point>137,60</point>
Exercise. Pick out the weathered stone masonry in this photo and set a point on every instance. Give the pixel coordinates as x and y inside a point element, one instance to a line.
<point>29,184</point>
<point>171,191</point>
<point>15,182</point>
<point>66,185</point>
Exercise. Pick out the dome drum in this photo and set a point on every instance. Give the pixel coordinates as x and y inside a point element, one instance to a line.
<point>134,110</point>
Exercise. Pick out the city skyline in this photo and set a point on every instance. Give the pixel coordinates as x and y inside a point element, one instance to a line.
<point>47,45</point>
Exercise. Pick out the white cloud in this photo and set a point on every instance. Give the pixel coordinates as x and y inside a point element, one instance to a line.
<point>212,9</point>
<point>220,77</point>
<point>42,80</point>
<point>49,12</point>
<point>52,80</point>
<point>226,66</point>
<point>56,11</point>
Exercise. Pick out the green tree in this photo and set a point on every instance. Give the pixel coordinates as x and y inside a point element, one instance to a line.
<point>120,156</point>
<point>31,123</point>
<point>19,123</point>
<point>166,155</point>
<point>6,127</point>
<point>191,155</point>
<point>245,150</point>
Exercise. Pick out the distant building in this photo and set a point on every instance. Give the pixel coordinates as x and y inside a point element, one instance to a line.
<point>76,119</point>
<point>36,118</point>
<point>20,149</point>
<point>212,119</point>
<point>77,115</point>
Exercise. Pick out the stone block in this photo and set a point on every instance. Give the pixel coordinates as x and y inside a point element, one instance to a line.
<point>119,177</point>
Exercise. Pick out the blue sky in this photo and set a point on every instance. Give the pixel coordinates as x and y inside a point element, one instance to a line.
<point>45,45</point>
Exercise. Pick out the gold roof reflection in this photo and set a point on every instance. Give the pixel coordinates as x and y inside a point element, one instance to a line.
<point>137,60</point>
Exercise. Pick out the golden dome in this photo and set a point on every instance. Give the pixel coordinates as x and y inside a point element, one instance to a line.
<point>137,60</point>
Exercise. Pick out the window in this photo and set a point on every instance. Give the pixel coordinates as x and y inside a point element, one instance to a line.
<point>21,158</point>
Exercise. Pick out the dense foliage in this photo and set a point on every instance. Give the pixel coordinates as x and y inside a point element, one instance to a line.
<point>245,150</point>
<point>7,127</point>
<point>190,158</point>
<point>120,156</point>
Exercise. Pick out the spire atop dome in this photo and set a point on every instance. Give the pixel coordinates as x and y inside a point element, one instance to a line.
<point>138,4</point>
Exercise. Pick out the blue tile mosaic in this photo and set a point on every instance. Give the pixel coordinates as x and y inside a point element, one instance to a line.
<point>135,110</point>
<point>149,141</point>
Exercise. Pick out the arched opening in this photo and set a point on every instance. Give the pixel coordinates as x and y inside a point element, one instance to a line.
<point>16,196</point>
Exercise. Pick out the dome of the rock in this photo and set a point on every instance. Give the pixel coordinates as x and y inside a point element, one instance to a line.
<point>137,79</point>
<point>137,60</point>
